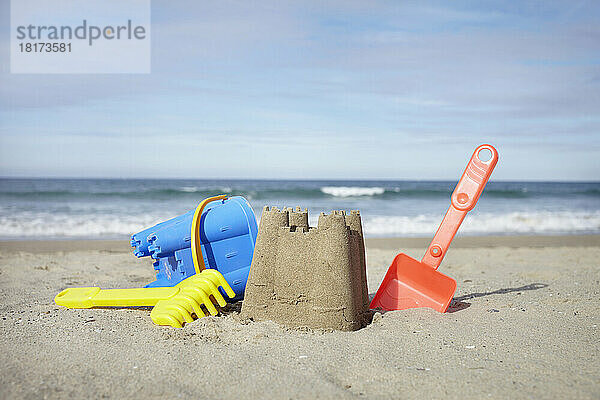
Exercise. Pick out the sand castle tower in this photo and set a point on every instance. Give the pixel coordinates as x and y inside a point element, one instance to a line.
<point>308,277</point>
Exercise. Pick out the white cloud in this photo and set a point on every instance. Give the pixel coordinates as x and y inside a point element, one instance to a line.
<point>379,77</point>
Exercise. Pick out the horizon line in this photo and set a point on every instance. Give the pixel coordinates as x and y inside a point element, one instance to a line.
<point>290,179</point>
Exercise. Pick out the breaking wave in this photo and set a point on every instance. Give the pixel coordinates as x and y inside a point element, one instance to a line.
<point>350,191</point>
<point>566,222</point>
<point>61,225</point>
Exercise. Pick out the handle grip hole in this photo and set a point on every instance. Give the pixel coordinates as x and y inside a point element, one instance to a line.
<point>484,155</point>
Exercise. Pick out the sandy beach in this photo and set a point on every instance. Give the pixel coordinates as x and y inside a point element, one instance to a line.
<point>524,323</point>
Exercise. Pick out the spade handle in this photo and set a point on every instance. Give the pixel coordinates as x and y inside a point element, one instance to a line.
<point>463,200</point>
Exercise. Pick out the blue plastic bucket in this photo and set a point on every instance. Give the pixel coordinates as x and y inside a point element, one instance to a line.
<point>227,237</point>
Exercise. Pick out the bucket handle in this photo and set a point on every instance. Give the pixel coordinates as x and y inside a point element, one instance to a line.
<point>196,249</point>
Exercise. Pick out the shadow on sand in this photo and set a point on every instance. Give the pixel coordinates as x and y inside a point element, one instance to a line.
<point>459,304</point>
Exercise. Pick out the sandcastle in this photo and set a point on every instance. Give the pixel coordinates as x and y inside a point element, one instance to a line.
<point>303,276</point>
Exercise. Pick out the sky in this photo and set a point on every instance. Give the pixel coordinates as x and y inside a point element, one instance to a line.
<point>322,90</point>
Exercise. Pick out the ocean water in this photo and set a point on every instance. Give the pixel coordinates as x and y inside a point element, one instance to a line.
<point>116,208</point>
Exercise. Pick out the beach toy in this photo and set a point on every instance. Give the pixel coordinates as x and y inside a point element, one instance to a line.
<point>410,283</point>
<point>194,292</point>
<point>219,234</point>
<point>201,256</point>
<point>173,306</point>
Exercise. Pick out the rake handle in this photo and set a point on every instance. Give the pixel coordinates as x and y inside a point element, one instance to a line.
<point>95,297</point>
<point>462,201</point>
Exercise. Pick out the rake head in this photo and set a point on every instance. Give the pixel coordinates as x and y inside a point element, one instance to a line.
<point>196,299</point>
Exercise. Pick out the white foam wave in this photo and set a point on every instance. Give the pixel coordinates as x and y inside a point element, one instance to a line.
<point>46,225</point>
<point>487,224</point>
<point>56,225</point>
<point>194,189</point>
<point>350,191</point>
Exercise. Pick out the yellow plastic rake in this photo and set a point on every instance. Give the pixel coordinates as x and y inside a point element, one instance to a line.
<point>191,298</point>
<point>173,306</point>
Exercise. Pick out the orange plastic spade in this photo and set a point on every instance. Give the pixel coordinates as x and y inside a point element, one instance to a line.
<point>410,283</point>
